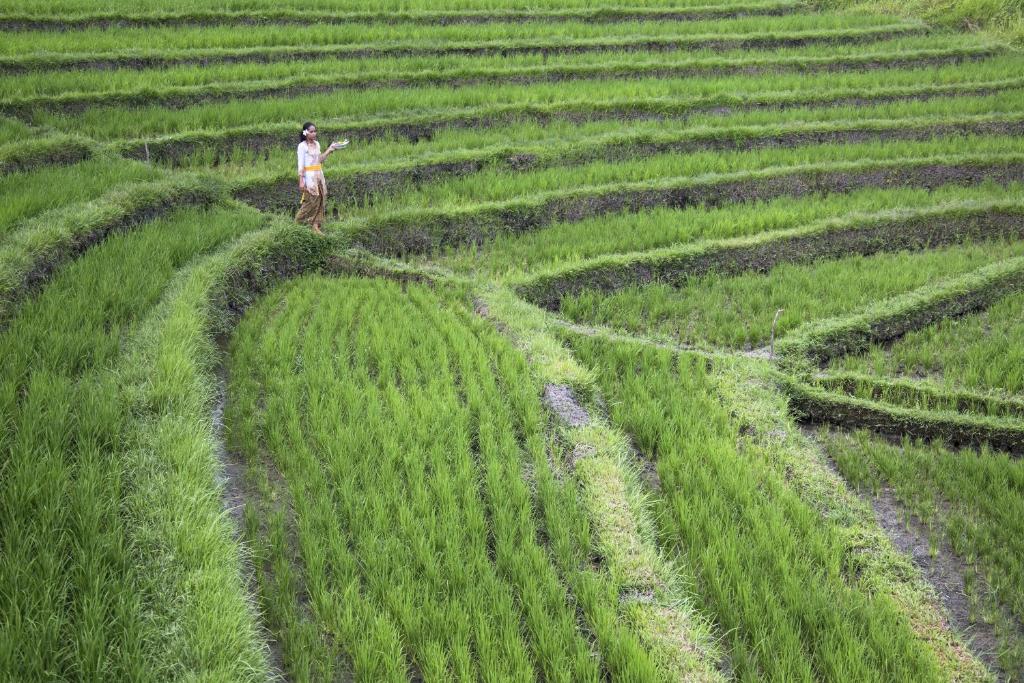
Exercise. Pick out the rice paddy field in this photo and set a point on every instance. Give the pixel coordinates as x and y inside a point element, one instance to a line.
<point>649,341</point>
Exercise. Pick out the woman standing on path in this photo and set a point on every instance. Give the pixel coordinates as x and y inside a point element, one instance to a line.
<point>312,183</point>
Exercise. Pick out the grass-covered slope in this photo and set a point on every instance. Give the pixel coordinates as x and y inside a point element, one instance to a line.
<point>403,467</point>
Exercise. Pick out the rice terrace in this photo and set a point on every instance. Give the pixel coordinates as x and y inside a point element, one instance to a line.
<point>512,340</point>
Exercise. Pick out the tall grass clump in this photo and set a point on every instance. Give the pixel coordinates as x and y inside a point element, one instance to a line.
<point>1001,19</point>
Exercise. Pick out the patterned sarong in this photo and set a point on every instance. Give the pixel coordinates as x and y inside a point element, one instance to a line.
<point>311,209</point>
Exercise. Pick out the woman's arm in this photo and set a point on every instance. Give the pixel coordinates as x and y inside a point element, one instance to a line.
<point>302,175</point>
<point>334,146</point>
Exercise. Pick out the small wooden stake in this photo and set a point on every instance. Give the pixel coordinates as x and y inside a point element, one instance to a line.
<point>146,145</point>
<point>775,321</point>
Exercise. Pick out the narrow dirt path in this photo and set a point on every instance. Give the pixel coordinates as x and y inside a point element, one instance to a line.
<point>943,570</point>
<point>234,494</point>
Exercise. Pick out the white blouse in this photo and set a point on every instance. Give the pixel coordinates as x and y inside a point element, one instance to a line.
<point>309,156</point>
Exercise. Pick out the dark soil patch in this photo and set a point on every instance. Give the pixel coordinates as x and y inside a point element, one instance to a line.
<point>361,188</point>
<point>942,569</point>
<point>234,494</point>
<point>73,105</point>
<point>561,401</point>
<point>267,56</point>
<point>648,470</point>
<point>213,18</point>
<point>174,150</point>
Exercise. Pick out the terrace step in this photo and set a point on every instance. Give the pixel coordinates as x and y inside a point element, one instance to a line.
<point>135,59</point>
<point>611,14</point>
<point>181,97</point>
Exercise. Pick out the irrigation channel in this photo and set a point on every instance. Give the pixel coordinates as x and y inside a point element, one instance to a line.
<point>658,341</point>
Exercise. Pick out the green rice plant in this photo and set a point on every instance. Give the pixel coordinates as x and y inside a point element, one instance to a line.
<point>37,47</point>
<point>411,510</point>
<point>1002,99</point>
<point>71,578</point>
<point>968,499</point>
<point>325,76</point>
<point>82,7</point>
<point>770,568</point>
<point>859,234</point>
<point>364,182</point>
<point>921,394</point>
<point>567,244</point>
<point>491,144</point>
<point>702,168</point>
<point>607,15</point>
<point>172,61</point>
<point>981,351</point>
<point>41,245</point>
<point>653,594</point>
<point>738,311</point>
<point>586,96</point>
<point>29,193</point>
<point>888,319</point>
<point>345,405</point>
<point>445,221</point>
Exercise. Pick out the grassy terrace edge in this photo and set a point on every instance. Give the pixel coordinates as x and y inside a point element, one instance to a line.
<point>277,192</point>
<point>424,230</point>
<point>56,149</point>
<point>819,341</point>
<point>816,405</point>
<point>185,96</point>
<point>920,394</point>
<point>134,59</point>
<point>167,376</point>
<point>171,148</point>
<point>859,233</point>
<point>13,21</point>
<point>45,242</point>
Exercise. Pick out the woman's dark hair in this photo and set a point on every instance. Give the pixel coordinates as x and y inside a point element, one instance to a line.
<point>307,124</point>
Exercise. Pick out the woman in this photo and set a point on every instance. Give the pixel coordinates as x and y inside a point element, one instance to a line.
<point>311,177</point>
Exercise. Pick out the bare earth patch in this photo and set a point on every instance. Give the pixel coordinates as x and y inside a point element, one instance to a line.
<point>560,400</point>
